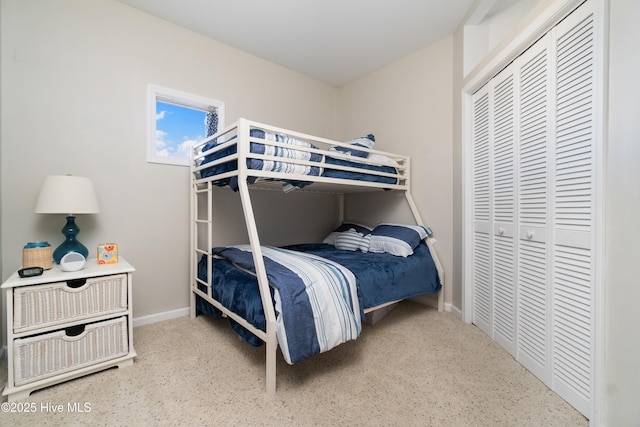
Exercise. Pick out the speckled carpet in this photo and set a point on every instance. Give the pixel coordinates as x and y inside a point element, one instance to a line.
<point>414,367</point>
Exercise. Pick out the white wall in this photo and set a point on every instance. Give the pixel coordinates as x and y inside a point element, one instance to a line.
<point>407,106</point>
<point>484,30</point>
<point>74,84</point>
<point>622,213</point>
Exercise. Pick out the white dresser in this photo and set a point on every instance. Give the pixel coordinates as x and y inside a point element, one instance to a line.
<point>62,325</point>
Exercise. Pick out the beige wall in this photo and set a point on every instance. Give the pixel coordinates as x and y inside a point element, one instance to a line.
<point>75,75</point>
<point>407,106</point>
<point>622,286</point>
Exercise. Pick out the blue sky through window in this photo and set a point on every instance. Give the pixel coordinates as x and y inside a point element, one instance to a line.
<point>177,128</point>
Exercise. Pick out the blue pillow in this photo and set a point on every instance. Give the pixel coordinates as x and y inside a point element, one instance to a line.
<point>397,239</point>
<point>345,227</point>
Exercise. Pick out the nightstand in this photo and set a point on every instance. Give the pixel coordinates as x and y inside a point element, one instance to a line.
<point>63,325</point>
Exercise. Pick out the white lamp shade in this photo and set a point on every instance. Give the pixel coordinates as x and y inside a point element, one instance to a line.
<point>67,195</point>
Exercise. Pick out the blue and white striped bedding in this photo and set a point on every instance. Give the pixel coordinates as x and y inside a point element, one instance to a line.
<point>284,153</point>
<point>264,165</point>
<point>324,168</point>
<point>316,299</point>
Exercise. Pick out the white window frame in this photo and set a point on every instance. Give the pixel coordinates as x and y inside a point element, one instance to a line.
<point>181,99</point>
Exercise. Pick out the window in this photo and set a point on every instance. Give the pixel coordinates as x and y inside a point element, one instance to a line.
<point>176,121</point>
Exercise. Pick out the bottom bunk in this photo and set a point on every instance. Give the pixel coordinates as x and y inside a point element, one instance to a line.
<point>317,306</point>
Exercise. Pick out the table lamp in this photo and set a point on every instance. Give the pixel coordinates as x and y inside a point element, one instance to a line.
<point>68,195</point>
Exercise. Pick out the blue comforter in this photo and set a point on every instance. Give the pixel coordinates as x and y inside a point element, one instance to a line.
<point>316,299</point>
<point>383,277</point>
<point>380,278</point>
<point>336,173</point>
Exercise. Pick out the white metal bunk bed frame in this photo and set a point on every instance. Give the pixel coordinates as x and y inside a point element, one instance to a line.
<point>199,186</point>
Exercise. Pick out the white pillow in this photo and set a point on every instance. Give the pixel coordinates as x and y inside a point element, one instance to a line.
<point>346,226</point>
<point>382,159</point>
<point>351,240</point>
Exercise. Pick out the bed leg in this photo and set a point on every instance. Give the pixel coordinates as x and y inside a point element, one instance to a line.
<point>272,347</point>
<point>441,300</point>
<point>192,304</point>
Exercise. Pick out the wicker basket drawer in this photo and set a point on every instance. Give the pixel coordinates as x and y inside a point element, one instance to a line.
<point>53,304</point>
<point>55,353</point>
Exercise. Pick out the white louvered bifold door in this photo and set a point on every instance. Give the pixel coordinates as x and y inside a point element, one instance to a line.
<point>573,277</point>
<point>533,250</point>
<point>503,202</point>
<point>533,168</point>
<point>482,259</point>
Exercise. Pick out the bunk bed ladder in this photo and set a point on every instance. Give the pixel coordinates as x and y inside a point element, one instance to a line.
<point>195,250</point>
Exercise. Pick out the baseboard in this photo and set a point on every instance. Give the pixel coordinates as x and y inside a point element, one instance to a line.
<point>159,317</point>
<point>433,302</point>
<point>454,310</point>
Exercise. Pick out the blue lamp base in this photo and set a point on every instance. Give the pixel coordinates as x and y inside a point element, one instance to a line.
<point>70,231</point>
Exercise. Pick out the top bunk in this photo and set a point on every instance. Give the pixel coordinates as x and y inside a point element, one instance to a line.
<point>268,157</point>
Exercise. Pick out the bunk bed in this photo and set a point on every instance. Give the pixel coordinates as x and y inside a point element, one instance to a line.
<point>304,298</point>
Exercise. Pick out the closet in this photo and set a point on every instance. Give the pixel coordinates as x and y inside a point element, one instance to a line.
<point>533,197</point>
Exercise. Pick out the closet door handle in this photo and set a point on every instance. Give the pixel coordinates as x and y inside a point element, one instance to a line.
<point>529,234</point>
<point>501,231</point>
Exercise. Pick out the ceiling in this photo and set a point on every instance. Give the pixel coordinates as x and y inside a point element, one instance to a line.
<point>335,41</point>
